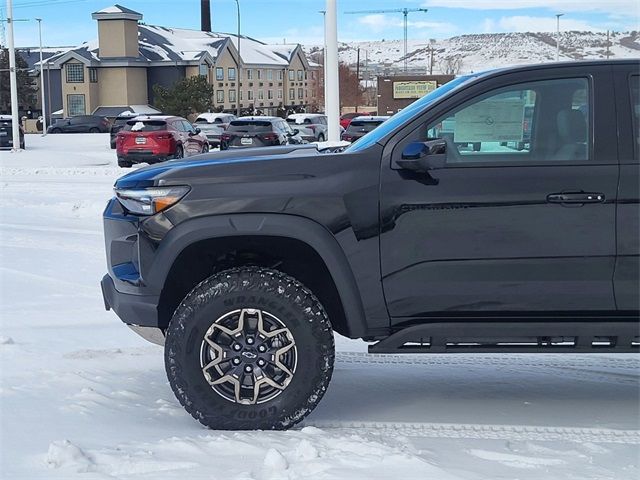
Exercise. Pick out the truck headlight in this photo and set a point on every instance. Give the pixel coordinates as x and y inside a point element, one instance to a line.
<point>149,201</point>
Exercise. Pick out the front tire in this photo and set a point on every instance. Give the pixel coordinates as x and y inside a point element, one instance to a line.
<point>249,348</point>
<point>179,152</point>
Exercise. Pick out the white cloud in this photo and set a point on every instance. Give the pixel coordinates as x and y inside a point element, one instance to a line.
<point>525,23</point>
<point>582,6</point>
<point>489,25</point>
<point>378,23</point>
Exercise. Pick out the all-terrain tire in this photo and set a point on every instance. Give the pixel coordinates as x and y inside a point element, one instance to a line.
<point>253,288</point>
<point>124,163</point>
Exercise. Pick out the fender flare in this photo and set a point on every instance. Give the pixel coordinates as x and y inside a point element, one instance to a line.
<point>278,225</point>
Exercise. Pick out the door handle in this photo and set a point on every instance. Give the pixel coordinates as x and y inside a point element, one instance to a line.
<point>576,197</point>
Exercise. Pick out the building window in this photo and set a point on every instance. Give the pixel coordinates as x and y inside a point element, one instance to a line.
<point>292,94</point>
<point>270,94</point>
<point>260,94</point>
<point>249,74</point>
<point>219,74</point>
<point>300,93</point>
<point>203,70</point>
<point>75,72</point>
<point>305,75</point>
<point>259,74</point>
<point>232,96</point>
<point>220,96</point>
<point>313,75</point>
<point>292,75</point>
<point>75,104</point>
<point>231,73</point>
<point>279,74</point>
<point>269,74</point>
<point>299,75</point>
<point>93,75</point>
<point>240,94</point>
<point>280,93</point>
<point>250,95</point>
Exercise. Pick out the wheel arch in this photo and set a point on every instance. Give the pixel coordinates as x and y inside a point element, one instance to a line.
<point>301,236</point>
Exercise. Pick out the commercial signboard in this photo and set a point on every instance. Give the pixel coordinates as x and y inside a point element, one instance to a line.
<point>414,89</point>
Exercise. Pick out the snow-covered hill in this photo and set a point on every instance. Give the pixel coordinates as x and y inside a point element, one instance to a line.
<point>489,50</point>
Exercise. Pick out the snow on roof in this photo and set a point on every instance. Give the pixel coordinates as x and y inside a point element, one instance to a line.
<point>116,9</point>
<point>285,50</point>
<point>164,44</point>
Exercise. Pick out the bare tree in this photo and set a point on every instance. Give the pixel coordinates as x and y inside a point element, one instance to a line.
<point>451,65</point>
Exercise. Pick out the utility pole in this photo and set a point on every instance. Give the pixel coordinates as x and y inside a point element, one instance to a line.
<point>331,75</point>
<point>44,105</point>
<point>558,15</point>
<point>15,117</point>
<point>357,77</point>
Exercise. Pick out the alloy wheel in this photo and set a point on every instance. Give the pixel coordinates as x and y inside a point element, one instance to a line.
<point>248,356</point>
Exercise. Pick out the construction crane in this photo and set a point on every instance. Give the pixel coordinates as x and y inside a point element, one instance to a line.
<point>404,11</point>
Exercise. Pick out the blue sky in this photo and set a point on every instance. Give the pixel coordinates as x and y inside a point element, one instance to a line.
<point>68,22</point>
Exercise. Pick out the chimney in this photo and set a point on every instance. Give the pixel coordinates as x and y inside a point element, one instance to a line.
<point>117,32</point>
<point>205,16</point>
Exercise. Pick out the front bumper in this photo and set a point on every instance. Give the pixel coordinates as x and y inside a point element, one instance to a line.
<point>141,310</point>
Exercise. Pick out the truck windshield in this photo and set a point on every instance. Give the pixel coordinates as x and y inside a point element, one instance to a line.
<point>406,114</point>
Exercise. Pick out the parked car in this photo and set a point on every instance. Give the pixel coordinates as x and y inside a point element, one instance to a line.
<point>80,124</point>
<point>6,133</point>
<point>153,139</point>
<point>360,126</point>
<point>245,263</point>
<point>346,118</point>
<point>312,126</point>
<point>119,122</point>
<point>259,132</point>
<point>224,118</point>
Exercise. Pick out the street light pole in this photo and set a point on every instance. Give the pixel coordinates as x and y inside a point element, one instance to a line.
<point>44,105</point>
<point>239,111</point>
<point>331,75</point>
<point>13,81</point>
<point>558,15</point>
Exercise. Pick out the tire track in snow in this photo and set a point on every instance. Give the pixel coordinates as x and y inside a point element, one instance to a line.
<point>486,432</point>
<point>484,359</point>
<point>586,369</point>
<point>37,228</point>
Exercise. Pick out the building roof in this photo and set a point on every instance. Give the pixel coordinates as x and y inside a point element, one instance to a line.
<point>185,46</point>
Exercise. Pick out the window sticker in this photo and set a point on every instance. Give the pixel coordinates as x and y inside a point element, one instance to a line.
<point>491,120</point>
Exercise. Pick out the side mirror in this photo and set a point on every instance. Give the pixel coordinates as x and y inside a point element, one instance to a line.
<point>198,130</point>
<point>295,131</point>
<point>424,156</point>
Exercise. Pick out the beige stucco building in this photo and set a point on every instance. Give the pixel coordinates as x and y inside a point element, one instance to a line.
<point>118,70</point>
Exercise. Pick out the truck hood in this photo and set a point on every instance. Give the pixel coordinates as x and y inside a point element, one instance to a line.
<point>161,173</point>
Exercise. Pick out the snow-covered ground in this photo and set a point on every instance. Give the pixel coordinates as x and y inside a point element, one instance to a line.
<point>83,397</point>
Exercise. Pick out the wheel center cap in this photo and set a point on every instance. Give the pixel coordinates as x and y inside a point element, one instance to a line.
<point>249,356</point>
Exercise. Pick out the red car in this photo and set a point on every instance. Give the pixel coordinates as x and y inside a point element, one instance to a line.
<point>345,119</point>
<point>153,139</point>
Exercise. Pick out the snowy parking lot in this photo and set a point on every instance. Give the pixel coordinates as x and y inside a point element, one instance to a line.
<point>81,396</point>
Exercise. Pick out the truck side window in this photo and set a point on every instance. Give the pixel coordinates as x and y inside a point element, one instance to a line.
<point>537,121</point>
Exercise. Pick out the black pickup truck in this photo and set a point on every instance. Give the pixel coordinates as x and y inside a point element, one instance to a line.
<point>517,231</point>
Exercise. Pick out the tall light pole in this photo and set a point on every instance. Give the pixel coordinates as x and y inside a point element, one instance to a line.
<point>44,105</point>
<point>324,60</point>
<point>558,15</point>
<point>239,111</point>
<point>331,75</point>
<point>15,117</point>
